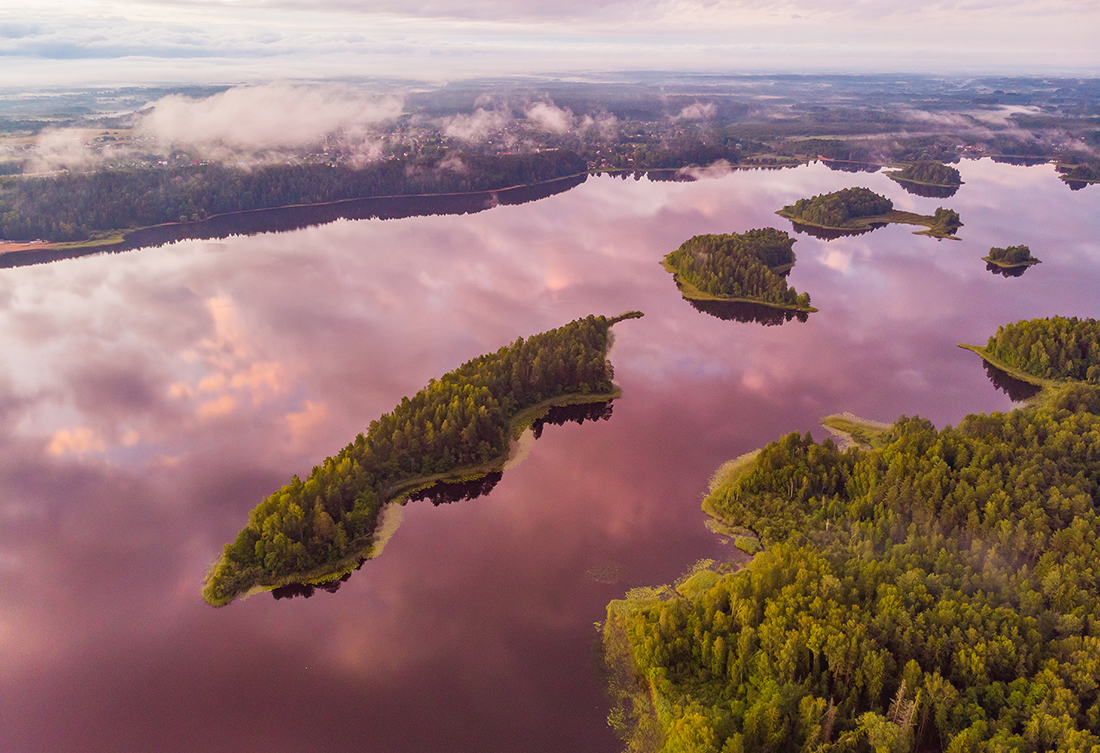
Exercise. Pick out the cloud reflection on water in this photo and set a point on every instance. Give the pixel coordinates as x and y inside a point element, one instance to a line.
<point>474,629</point>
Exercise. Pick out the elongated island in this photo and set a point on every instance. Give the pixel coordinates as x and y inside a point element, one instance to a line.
<point>741,267</point>
<point>936,590</point>
<point>856,210</point>
<point>458,428</point>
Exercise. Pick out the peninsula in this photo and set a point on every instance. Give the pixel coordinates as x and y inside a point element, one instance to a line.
<point>458,428</point>
<point>858,209</point>
<point>745,267</point>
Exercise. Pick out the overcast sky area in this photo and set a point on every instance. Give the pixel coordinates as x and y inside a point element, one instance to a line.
<point>73,42</point>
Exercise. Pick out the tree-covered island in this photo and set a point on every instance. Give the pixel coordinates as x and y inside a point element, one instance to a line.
<point>1011,257</point>
<point>938,591</point>
<point>738,267</point>
<point>1045,352</point>
<point>458,428</point>
<point>928,173</point>
<point>860,209</point>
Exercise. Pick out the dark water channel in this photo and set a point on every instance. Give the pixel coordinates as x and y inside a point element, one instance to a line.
<point>149,400</point>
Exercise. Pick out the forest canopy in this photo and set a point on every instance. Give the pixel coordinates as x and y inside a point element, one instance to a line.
<point>743,266</point>
<point>1012,256</point>
<point>937,592</point>
<point>1054,348</point>
<point>929,172</point>
<point>459,426</point>
<point>837,208</point>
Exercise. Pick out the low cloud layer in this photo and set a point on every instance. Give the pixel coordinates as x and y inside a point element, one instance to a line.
<point>274,116</point>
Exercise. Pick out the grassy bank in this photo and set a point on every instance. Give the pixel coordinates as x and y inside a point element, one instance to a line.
<point>854,430</point>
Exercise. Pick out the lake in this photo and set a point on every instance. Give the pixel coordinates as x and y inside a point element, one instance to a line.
<point>150,399</point>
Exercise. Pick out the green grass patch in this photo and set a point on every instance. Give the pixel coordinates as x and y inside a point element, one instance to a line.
<point>859,431</point>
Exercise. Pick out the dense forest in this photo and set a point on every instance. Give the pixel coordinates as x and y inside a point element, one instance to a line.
<point>462,421</point>
<point>739,265</point>
<point>929,171</point>
<point>938,592</point>
<point>837,208</point>
<point>1054,348</point>
<point>945,221</point>
<point>73,206</point>
<point>1013,255</point>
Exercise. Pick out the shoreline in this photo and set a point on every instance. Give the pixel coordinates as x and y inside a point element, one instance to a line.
<point>1023,376</point>
<point>1012,265</point>
<point>398,495</point>
<point>872,222</point>
<point>692,293</point>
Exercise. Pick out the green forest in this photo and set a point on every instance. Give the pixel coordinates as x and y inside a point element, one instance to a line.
<point>929,172</point>
<point>461,423</point>
<point>738,266</point>
<point>837,208</point>
<point>74,206</point>
<point>935,593</point>
<point>1054,348</point>
<point>1011,256</point>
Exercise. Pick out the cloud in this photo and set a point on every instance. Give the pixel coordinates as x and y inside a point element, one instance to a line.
<point>271,116</point>
<point>550,118</point>
<point>698,111</point>
<point>476,127</point>
<point>77,440</point>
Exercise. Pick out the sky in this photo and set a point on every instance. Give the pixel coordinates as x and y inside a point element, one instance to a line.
<point>112,42</point>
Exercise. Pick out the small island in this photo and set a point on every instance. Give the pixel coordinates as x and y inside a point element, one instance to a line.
<point>1013,257</point>
<point>459,428</point>
<point>855,210</point>
<point>1045,352</point>
<point>741,267</point>
<point>928,178</point>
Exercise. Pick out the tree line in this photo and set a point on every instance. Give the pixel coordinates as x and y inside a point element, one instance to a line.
<point>73,206</point>
<point>461,420</point>
<point>1053,348</point>
<point>929,171</point>
<point>739,265</point>
<point>937,593</point>
<point>1011,255</point>
<point>835,209</point>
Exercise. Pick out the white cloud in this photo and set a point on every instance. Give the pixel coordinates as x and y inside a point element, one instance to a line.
<point>476,127</point>
<point>271,116</point>
<point>698,111</point>
<point>550,118</point>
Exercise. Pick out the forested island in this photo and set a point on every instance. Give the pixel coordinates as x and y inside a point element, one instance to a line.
<point>1046,351</point>
<point>926,590</point>
<point>1011,257</point>
<point>738,267</point>
<point>860,209</point>
<point>928,173</point>
<point>99,205</point>
<point>938,592</point>
<point>458,428</point>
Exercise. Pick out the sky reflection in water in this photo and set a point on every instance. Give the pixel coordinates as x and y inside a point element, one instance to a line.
<point>149,400</point>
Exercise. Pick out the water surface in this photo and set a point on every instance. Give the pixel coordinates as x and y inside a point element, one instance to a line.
<point>149,400</point>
